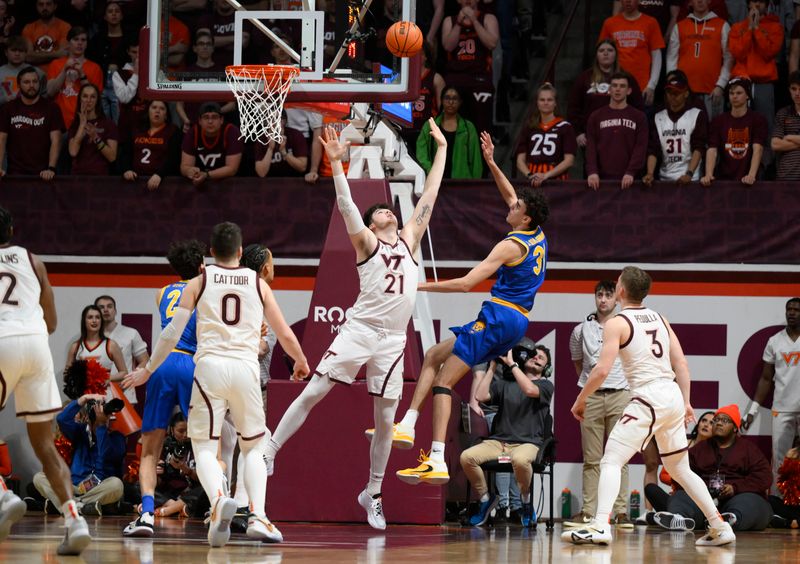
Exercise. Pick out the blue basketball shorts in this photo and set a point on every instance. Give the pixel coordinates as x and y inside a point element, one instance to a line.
<point>167,387</point>
<point>495,332</point>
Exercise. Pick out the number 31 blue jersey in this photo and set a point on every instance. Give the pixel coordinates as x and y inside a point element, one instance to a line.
<point>518,282</point>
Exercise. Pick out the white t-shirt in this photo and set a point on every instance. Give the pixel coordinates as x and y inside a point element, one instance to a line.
<point>131,344</point>
<point>585,344</point>
<point>785,355</point>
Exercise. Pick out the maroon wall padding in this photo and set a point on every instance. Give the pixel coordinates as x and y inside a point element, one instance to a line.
<point>99,216</point>
<point>321,470</point>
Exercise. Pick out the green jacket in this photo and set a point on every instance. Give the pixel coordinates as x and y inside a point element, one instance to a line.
<point>467,159</point>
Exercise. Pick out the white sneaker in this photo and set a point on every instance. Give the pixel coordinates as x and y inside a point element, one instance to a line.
<point>402,437</point>
<point>76,538</point>
<point>143,526</point>
<point>673,521</point>
<point>593,533</point>
<point>644,519</point>
<point>374,508</point>
<point>717,536</point>
<point>219,528</point>
<point>12,509</point>
<point>262,529</point>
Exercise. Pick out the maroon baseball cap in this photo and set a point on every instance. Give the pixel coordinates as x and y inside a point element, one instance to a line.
<point>677,83</point>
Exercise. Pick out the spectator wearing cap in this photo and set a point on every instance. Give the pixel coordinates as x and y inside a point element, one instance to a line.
<point>737,474</point>
<point>678,135</point>
<point>698,46</point>
<point>786,134</point>
<point>639,42</point>
<point>737,139</point>
<point>755,43</point>
<point>616,137</point>
<point>211,148</point>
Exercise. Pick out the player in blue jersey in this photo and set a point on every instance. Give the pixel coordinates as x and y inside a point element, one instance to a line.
<point>168,386</point>
<point>520,261</point>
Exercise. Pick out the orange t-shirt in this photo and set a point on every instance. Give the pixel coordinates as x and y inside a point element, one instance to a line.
<point>67,97</point>
<point>47,38</point>
<point>635,40</point>
<point>700,52</point>
<point>325,163</point>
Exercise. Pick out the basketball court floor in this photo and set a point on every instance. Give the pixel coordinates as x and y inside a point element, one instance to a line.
<point>35,538</point>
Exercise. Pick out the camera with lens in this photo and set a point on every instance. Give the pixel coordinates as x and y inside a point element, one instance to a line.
<point>110,407</point>
<point>175,449</point>
<point>521,353</point>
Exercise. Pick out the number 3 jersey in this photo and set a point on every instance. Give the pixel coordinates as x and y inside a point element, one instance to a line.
<point>388,286</point>
<point>546,145</point>
<point>20,312</point>
<point>675,137</point>
<point>645,355</point>
<point>229,313</point>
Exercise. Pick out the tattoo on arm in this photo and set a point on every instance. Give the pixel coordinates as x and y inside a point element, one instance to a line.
<point>344,206</point>
<point>424,212</point>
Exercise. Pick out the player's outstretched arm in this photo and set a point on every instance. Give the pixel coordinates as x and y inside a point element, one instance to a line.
<point>283,332</point>
<point>46,299</point>
<point>503,184</point>
<point>169,336</point>
<point>412,232</point>
<point>681,369</point>
<point>505,251</point>
<point>363,239</point>
<point>615,332</point>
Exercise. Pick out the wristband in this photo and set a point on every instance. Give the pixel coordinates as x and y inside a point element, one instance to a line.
<point>753,408</point>
<point>51,168</point>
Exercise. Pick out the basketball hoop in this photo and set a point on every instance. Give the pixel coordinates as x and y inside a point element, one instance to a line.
<point>260,92</point>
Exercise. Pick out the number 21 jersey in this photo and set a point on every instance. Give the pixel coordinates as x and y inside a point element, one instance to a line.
<point>645,355</point>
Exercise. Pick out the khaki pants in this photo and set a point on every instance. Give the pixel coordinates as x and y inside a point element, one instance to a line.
<point>106,492</point>
<point>522,456</point>
<point>603,409</point>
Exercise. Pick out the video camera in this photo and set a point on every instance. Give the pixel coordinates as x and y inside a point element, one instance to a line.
<point>113,406</point>
<point>175,449</point>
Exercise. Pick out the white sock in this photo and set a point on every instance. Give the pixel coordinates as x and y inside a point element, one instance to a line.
<point>526,498</point>
<point>437,451</point>
<point>69,509</point>
<point>381,445</point>
<point>209,472</point>
<point>410,419</point>
<point>255,478</point>
<point>241,497</point>
<point>485,497</point>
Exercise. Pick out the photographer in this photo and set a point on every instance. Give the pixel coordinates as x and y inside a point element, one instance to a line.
<point>98,454</point>
<point>737,474</point>
<point>518,430</point>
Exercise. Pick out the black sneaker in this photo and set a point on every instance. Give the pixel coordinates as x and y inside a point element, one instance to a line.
<point>50,508</point>
<point>92,509</point>
<point>502,515</point>
<point>778,522</point>
<point>141,527</point>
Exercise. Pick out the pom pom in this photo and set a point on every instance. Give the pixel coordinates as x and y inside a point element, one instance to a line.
<point>85,377</point>
<point>64,448</point>
<point>789,481</point>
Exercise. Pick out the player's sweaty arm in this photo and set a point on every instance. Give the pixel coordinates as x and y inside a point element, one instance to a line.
<point>504,252</point>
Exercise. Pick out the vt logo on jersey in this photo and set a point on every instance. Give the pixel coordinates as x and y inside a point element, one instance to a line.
<point>209,160</point>
<point>627,418</point>
<point>791,358</point>
<point>393,260</point>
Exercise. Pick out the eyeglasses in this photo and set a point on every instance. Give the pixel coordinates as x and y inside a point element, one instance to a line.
<point>722,420</point>
<point>451,99</point>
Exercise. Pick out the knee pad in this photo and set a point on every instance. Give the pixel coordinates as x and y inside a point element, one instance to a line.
<point>442,390</point>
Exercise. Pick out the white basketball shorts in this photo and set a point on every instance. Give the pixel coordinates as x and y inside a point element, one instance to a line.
<point>358,344</point>
<point>656,410</point>
<point>26,368</point>
<point>220,384</point>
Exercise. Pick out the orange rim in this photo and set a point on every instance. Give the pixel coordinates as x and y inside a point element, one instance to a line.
<point>247,71</point>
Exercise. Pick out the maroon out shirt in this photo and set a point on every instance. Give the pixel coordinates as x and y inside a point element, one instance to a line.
<point>734,138</point>
<point>28,129</point>
<point>295,145</point>
<point>210,152</point>
<point>89,159</point>
<point>616,142</point>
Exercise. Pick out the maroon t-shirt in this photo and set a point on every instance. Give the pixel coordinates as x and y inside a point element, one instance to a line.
<point>616,142</point>
<point>133,114</point>
<point>89,159</point>
<point>153,151</point>
<point>295,145</point>
<point>470,55</point>
<point>28,129</point>
<point>734,138</point>
<point>425,106</point>
<point>586,96</point>
<point>546,145</point>
<point>210,153</point>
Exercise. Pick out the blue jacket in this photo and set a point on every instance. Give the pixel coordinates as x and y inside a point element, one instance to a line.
<point>105,457</point>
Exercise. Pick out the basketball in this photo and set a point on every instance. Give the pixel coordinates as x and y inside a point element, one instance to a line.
<point>404,39</point>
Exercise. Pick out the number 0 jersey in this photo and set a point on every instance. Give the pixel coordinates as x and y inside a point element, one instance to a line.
<point>168,300</point>
<point>518,281</point>
<point>20,312</point>
<point>388,282</point>
<point>645,355</point>
<point>229,311</point>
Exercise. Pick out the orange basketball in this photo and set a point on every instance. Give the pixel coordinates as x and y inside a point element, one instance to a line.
<point>404,39</point>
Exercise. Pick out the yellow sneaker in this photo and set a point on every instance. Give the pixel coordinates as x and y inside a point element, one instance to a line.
<point>429,471</point>
<point>402,438</point>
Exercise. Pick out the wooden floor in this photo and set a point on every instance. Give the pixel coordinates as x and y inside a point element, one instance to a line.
<point>35,538</point>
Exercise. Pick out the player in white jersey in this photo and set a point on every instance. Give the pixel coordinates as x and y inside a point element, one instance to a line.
<point>27,316</point>
<point>782,368</point>
<point>231,302</point>
<point>678,137</point>
<point>658,375</point>
<point>375,331</point>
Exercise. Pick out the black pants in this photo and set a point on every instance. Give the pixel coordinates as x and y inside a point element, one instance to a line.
<point>788,512</point>
<point>657,497</point>
<point>752,511</point>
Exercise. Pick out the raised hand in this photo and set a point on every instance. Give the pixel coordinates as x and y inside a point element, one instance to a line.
<point>437,134</point>
<point>333,147</point>
<point>487,147</point>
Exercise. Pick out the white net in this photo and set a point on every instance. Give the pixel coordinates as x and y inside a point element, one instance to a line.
<point>260,93</point>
